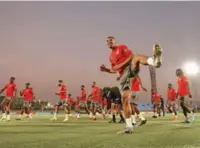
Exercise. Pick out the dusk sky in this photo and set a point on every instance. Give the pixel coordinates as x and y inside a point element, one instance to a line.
<point>42,42</point>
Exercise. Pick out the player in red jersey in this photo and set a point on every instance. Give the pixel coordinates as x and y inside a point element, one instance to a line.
<point>11,92</point>
<point>171,101</point>
<point>136,85</point>
<point>184,95</point>
<point>104,107</point>
<point>83,99</point>
<point>68,105</point>
<point>95,94</point>
<point>62,97</point>
<point>28,96</point>
<point>156,103</point>
<point>127,64</point>
<point>77,106</point>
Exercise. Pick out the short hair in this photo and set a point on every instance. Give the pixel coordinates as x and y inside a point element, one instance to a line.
<point>13,78</point>
<point>27,83</point>
<point>83,86</point>
<point>60,81</point>
<point>110,37</point>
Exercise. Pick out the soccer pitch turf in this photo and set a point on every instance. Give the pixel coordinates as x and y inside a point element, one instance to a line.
<point>83,133</point>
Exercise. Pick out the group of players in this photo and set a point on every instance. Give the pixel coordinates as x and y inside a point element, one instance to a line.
<point>115,100</point>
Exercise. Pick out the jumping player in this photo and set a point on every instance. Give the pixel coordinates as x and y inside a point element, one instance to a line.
<point>171,101</point>
<point>62,97</point>
<point>11,92</point>
<point>124,62</point>
<point>28,96</point>
<point>184,94</point>
<point>136,85</point>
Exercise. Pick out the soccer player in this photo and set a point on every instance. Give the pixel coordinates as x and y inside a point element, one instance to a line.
<point>156,103</point>
<point>114,95</point>
<point>28,96</point>
<point>62,97</point>
<point>162,106</point>
<point>127,64</point>
<point>104,107</point>
<point>83,99</point>
<point>171,101</point>
<point>136,85</point>
<point>95,94</point>
<point>11,92</point>
<point>67,106</point>
<point>184,94</point>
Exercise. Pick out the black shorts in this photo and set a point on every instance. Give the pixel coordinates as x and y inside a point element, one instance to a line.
<point>117,101</point>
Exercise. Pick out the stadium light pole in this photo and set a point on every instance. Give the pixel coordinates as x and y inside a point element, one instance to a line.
<point>192,69</point>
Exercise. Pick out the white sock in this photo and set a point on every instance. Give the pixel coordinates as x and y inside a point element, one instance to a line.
<point>155,114</point>
<point>150,61</point>
<point>129,123</point>
<point>141,117</point>
<point>133,117</point>
<point>90,114</point>
<point>55,115</point>
<point>67,116</point>
<point>4,115</point>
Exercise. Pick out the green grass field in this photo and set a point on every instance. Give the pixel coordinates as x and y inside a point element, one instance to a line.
<point>43,133</point>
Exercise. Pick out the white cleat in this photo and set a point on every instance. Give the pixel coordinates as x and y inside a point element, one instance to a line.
<point>157,55</point>
<point>54,119</point>
<point>126,131</point>
<point>8,118</point>
<point>3,118</point>
<point>30,117</point>
<point>65,120</point>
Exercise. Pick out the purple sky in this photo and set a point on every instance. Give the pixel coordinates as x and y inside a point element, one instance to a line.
<point>42,42</point>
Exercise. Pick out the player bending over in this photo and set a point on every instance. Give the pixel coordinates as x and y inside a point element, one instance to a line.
<point>28,97</point>
<point>184,95</point>
<point>171,101</point>
<point>124,62</point>
<point>11,92</point>
<point>136,85</point>
<point>62,97</point>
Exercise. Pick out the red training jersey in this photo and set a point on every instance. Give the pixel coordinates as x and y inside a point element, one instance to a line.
<point>10,89</point>
<point>27,94</point>
<point>171,94</point>
<point>70,100</point>
<point>135,84</point>
<point>104,102</point>
<point>95,93</point>
<point>118,55</point>
<point>62,92</point>
<point>83,96</point>
<point>156,97</point>
<point>183,86</point>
